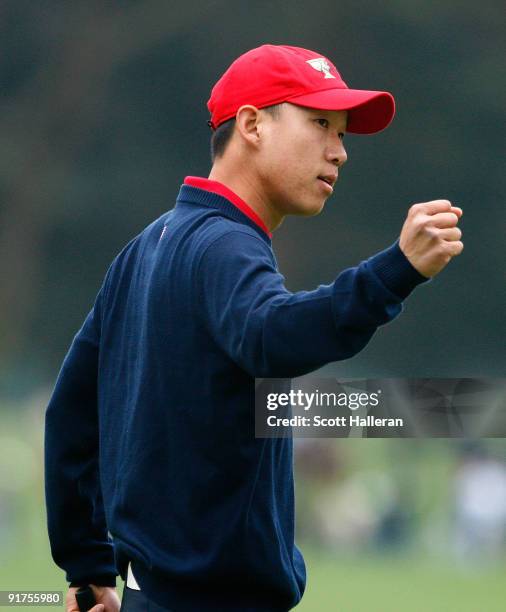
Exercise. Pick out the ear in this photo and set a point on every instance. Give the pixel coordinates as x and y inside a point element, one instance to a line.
<point>248,123</point>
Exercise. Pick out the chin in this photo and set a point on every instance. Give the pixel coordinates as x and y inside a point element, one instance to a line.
<point>309,207</point>
<point>311,210</point>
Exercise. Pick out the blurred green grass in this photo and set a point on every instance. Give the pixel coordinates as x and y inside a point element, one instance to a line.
<point>412,582</point>
<point>360,584</point>
<point>406,584</point>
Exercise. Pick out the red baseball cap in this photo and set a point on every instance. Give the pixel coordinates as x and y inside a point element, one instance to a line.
<point>272,74</point>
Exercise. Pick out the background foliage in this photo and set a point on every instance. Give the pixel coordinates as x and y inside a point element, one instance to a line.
<point>103,115</point>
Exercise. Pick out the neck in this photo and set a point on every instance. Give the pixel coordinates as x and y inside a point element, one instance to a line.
<point>241,182</point>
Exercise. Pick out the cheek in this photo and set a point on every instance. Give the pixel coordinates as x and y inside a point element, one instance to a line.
<point>291,165</point>
<point>275,168</point>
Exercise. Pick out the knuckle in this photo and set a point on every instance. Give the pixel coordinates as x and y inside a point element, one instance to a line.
<point>420,225</point>
<point>445,203</point>
<point>442,251</point>
<point>431,232</point>
<point>419,208</point>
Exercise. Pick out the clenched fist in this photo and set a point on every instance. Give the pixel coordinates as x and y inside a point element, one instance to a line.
<point>430,236</point>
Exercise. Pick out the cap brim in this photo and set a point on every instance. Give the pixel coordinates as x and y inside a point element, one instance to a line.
<point>368,111</point>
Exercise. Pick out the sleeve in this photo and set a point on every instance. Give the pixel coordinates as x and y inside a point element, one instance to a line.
<point>77,528</point>
<point>271,332</point>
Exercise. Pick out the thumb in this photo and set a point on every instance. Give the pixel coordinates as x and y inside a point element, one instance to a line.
<point>98,608</point>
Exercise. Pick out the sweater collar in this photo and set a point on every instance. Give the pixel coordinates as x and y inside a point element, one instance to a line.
<point>222,190</point>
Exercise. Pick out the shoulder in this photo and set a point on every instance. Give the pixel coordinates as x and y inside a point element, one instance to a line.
<point>229,247</point>
<point>221,235</point>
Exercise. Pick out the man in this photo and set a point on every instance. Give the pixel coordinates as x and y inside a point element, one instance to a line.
<point>163,479</point>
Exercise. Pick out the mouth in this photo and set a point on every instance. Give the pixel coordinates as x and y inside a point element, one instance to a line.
<point>327,182</point>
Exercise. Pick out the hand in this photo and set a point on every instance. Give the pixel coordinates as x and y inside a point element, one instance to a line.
<point>107,599</point>
<point>430,236</point>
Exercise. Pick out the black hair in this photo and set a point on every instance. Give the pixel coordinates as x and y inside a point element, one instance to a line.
<point>223,133</point>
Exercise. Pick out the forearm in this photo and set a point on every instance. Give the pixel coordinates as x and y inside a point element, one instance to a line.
<point>310,329</point>
<point>75,513</point>
<point>271,332</point>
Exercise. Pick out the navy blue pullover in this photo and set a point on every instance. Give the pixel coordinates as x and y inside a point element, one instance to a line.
<point>150,452</point>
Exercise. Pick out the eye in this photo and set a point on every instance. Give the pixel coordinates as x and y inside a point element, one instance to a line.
<point>323,122</point>
<point>341,135</point>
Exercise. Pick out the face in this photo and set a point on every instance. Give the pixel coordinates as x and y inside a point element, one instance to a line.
<point>300,153</point>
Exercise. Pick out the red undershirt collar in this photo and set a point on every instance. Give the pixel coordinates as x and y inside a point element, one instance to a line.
<point>222,190</point>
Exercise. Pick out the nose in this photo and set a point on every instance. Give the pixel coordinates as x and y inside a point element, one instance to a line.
<point>336,153</point>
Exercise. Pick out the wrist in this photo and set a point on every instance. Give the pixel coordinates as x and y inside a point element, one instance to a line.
<point>99,581</point>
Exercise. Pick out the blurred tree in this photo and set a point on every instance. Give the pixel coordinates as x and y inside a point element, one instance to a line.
<point>103,113</point>
<point>50,113</point>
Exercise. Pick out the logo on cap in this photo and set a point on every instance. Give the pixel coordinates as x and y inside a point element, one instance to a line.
<point>321,64</point>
